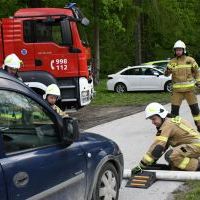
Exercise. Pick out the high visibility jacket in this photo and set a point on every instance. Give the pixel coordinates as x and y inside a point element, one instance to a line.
<point>184,72</point>
<point>59,111</point>
<point>173,132</point>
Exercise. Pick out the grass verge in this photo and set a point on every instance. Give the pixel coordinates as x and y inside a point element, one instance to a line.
<point>105,97</point>
<point>190,191</point>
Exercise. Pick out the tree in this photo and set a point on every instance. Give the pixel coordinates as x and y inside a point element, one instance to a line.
<point>96,41</point>
<point>138,35</point>
<point>124,32</point>
<point>35,3</point>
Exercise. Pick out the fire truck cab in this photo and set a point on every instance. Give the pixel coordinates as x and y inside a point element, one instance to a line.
<point>48,41</point>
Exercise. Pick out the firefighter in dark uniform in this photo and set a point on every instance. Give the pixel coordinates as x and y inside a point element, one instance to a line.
<point>175,137</point>
<point>185,76</point>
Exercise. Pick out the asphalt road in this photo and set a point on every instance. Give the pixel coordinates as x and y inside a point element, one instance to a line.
<point>134,134</point>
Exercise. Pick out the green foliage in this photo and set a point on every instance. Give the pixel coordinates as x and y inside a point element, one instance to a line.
<point>163,22</point>
<point>191,191</point>
<point>8,7</point>
<point>168,21</point>
<point>105,97</point>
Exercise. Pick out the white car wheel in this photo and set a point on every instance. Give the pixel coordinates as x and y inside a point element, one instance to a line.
<point>168,86</point>
<point>120,88</point>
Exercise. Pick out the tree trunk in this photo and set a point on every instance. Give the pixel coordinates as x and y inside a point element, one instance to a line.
<point>35,4</point>
<point>138,37</point>
<point>96,42</point>
<point>138,49</point>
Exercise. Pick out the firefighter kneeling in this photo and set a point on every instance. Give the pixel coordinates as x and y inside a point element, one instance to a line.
<point>175,132</point>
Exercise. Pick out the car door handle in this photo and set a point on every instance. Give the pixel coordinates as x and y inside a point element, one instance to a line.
<point>21,179</point>
<point>78,173</point>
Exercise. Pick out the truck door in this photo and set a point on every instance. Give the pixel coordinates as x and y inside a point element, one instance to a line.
<point>23,43</point>
<point>36,165</point>
<point>1,45</point>
<point>53,40</point>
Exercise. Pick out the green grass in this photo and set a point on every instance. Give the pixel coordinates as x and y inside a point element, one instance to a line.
<point>192,191</point>
<point>104,97</point>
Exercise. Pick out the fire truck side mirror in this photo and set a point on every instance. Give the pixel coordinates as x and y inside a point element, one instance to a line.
<point>85,21</point>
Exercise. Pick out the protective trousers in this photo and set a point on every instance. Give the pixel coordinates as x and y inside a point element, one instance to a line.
<point>184,157</point>
<point>178,97</point>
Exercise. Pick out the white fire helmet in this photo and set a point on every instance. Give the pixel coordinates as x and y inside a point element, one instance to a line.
<point>12,61</point>
<point>180,44</point>
<point>52,89</point>
<point>155,109</point>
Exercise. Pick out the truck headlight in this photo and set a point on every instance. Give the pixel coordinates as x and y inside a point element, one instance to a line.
<point>84,93</point>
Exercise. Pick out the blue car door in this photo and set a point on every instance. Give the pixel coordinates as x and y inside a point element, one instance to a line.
<point>3,193</point>
<point>36,165</point>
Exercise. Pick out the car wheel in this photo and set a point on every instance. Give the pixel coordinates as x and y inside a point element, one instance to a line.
<point>120,88</point>
<point>107,186</point>
<point>168,86</point>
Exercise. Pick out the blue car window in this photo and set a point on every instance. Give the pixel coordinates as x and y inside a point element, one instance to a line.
<point>24,124</point>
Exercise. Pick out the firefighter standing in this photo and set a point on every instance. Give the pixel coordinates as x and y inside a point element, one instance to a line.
<point>185,76</point>
<point>51,96</point>
<point>175,132</point>
<point>12,64</point>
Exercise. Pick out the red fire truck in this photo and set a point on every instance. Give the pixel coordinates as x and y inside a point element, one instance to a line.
<point>50,44</point>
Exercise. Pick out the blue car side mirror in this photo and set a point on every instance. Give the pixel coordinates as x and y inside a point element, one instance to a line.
<point>71,129</point>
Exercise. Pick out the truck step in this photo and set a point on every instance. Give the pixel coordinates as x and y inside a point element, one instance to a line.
<point>67,87</point>
<point>68,100</point>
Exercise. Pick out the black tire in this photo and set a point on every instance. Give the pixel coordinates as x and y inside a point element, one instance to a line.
<point>104,188</point>
<point>120,88</point>
<point>168,86</point>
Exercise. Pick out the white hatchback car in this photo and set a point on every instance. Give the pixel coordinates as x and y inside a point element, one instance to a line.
<point>139,78</point>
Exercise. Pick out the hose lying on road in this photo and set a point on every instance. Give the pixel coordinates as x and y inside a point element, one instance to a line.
<point>169,175</point>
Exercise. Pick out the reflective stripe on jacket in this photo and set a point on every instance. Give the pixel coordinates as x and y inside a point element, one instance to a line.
<point>184,72</point>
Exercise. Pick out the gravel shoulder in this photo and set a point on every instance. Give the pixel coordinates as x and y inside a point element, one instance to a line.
<point>91,116</point>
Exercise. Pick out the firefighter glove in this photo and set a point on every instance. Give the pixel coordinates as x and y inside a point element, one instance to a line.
<point>136,170</point>
<point>198,84</point>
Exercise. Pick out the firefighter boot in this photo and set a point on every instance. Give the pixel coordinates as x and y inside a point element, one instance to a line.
<point>196,116</point>
<point>175,110</point>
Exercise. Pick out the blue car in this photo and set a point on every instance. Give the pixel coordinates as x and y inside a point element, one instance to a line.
<point>44,156</point>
